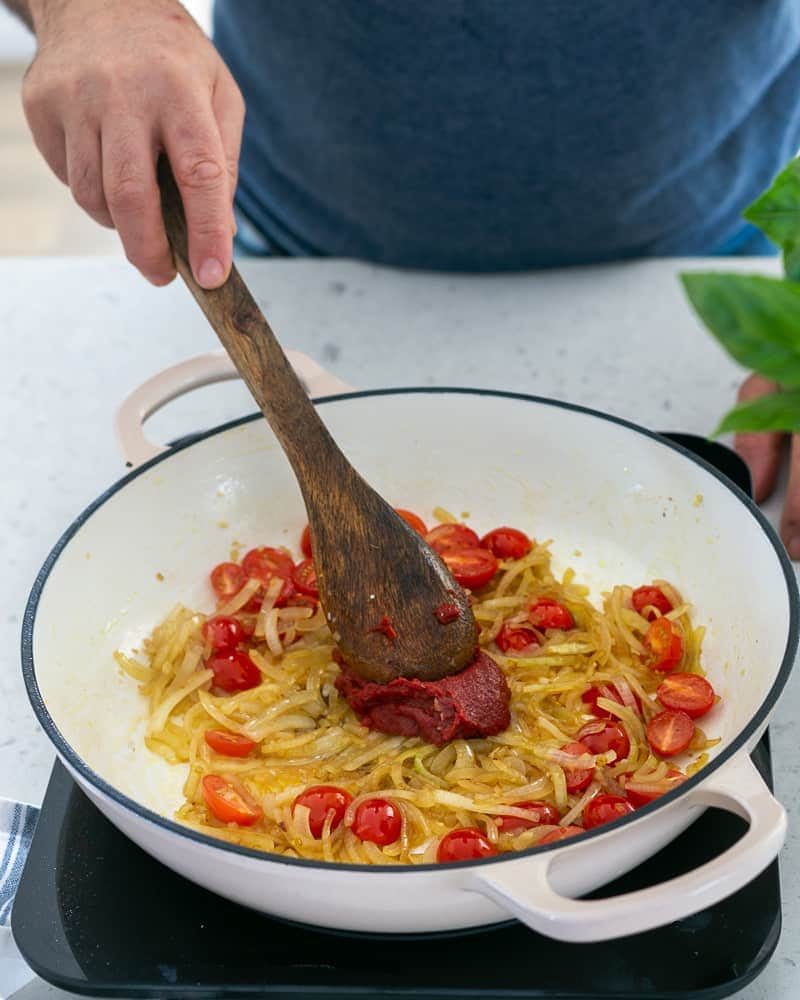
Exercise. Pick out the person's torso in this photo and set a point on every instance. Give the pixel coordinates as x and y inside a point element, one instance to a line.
<point>495,134</point>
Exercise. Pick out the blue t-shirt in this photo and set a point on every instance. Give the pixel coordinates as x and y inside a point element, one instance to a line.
<point>505,134</point>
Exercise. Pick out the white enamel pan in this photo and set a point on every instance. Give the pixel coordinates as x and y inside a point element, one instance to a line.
<point>620,503</point>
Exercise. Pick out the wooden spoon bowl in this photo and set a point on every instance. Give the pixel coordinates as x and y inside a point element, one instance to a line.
<point>380,584</point>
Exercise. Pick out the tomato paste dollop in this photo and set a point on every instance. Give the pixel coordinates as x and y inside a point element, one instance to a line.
<point>471,703</point>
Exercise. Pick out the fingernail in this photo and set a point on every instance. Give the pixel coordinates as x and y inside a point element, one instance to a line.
<point>211,273</point>
<point>794,546</point>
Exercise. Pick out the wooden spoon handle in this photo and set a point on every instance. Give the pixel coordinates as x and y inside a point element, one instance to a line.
<point>240,325</point>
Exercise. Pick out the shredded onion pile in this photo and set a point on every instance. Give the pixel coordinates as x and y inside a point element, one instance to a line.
<point>308,735</point>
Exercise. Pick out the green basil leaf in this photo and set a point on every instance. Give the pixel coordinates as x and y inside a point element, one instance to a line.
<point>777,213</point>
<point>756,319</point>
<point>779,411</point>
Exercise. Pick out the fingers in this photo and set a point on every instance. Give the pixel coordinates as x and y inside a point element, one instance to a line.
<point>197,156</point>
<point>762,452</point>
<point>131,190</point>
<point>790,522</point>
<point>85,170</point>
<point>228,107</point>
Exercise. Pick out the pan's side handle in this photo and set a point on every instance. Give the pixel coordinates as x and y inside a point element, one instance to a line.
<point>184,377</point>
<point>525,888</point>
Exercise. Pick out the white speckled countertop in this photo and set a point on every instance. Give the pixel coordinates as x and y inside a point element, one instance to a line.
<point>78,335</point>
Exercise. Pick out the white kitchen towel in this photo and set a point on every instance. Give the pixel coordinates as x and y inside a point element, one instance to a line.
<point>17,822</point>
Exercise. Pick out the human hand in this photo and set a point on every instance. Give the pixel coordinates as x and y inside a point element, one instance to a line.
<point>763,453</point>
<point>115,82</point>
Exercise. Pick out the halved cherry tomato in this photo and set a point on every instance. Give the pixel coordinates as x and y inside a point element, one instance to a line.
<point>265,562</point>
<point>229,744</point>
<point>670,732</point>
<point>464,844</point>
<point>321,800</point>
<point>601,736</point>
<point>224,632</point>
<point>471,567</point>
<point>688,693</point>
<point>651,597</point>
<point>378,821</point>
<point>665,642</point>
<point>305,542</point>
<point>638,799</point>
<point>560,834</point>
<point>286,595</point>
<point>547,613</point>
<point>227,579</point>
<point>444,537</point>
<point>507,543</point>
<point>604,809</point>
<point>516,638</point>
<point>541,814</point>
<point>412,520</point>
<point>304,577</point>
<point>577,779</point>
<point>229,803</point>
<point>234,671</point>
<point>609,691</point>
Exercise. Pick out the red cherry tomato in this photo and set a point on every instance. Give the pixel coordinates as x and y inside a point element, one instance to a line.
<point>227,579</point>
<point>305,542</point>
<point>507,543</point>
<point>321,800</point>
<point>228,803</point>
<point>464,844</point>
<point>412,520</point>
<point>651,597</point>
<point>541,814</point>
<point>604,809</point>
<point>444,537</point>
<point>229,744</point>
<point>471,567</point>
<point>577,779</point>
<point>670,732</point>
<point>304,577</point>
<point>234,671</point>
<point>547,613</point>
<point>600,737</point>
<point>688,693</point>
<point>265,563</point>
<point>224,632</point>
<point>560,834</point>
<point>516,638</point>
<point>665,642</point>
<point>638,799</point>
<point>378,821</point>
<point>609,691</point>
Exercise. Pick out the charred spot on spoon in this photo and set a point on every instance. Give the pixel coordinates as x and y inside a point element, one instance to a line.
<point>446,613</point>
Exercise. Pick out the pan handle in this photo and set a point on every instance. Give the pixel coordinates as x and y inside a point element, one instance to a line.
<point>525,888</point>
<point>184,377</point>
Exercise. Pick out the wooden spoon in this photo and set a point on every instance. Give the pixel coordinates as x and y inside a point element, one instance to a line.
<point>379,582</point>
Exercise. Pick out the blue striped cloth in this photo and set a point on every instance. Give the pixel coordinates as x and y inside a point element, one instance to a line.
<point>17,822</point>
